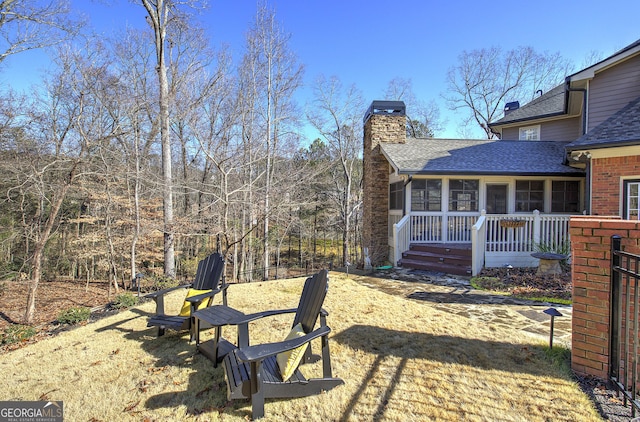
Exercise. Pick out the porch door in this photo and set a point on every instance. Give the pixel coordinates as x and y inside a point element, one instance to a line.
<point>496,199</point>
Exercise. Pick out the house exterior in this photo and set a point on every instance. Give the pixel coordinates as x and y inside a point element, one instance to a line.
<point>573,150</point>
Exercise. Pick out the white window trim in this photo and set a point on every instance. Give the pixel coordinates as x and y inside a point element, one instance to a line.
<point>523,130</point>
<point>625,197</point>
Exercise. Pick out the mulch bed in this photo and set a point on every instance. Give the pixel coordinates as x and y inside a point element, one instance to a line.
<point>52,297</point>
<point>525,282</point>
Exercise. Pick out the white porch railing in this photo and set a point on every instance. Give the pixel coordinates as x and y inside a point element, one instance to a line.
<point>401,238</point>
<point>442,228</point>
<point>514,245</point>
<point>494,243</point>
<point>478,239</point>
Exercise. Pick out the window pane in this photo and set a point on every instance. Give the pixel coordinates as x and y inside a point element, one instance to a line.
<point>395,196</point>
<point>537,185</point>
<point>529,195</point>
<point>463,195</point>
<point>434,194</point>
<point>426,194</point>
<point>632,200</point>
<point>565,196</point>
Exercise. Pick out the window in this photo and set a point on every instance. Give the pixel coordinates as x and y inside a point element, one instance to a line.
<point>632,200</point>
<point>565,196</point>
<point>529,195</point>
<point>426,195</point>
<point>463,195</point>
<point>395,196</point>
<point>530,133</point>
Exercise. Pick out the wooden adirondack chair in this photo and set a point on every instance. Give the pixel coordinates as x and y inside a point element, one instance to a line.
<point>253,371</point>
<point>207,283</point>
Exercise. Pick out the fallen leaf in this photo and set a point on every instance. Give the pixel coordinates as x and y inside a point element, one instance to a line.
<point>132,406</point>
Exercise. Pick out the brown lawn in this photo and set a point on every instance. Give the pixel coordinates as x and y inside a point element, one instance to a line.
<point>400,360</point>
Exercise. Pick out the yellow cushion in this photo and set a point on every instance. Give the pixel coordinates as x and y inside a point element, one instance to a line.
<point>288,361</point>
<point>186,306</point>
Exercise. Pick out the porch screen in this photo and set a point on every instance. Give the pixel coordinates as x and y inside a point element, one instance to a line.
<point>395,196</point>
<point>565,196</point>
<point>529,195</point>
<point>463,195</point>
<point>426,195</point>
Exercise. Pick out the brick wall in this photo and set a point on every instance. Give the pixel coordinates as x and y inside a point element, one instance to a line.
<point>379,128</point>
<point>590,265</point>
<point>606,182</point>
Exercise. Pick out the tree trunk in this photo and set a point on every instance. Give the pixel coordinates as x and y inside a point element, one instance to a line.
<point>158,14</point>
<point>38,253</point>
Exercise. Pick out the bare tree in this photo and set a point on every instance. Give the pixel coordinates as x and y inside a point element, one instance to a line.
<point>423,118</point>
<point>337,115</point>
<point>275,75</point>
<point>483,80</point>
<point>165,17</point>
<point>31,24</point>
<point>62,126</point>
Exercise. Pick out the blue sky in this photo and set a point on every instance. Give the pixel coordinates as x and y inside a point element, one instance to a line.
<point>369,43</point>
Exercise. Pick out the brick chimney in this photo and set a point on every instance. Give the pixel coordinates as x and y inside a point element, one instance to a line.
<point>384,122</point>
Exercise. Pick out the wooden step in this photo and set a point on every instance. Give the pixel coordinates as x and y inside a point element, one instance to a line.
<point>447,258</point>
<point>435,257</point>
<point>436,266</point>
<point>462,249</point>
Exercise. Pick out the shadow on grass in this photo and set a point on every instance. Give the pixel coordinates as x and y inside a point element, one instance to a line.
<point>205,388</point>
<point>478,354</point>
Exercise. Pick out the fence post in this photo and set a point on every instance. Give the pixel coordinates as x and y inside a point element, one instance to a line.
<point>536,228</point>
<point>614,307</point>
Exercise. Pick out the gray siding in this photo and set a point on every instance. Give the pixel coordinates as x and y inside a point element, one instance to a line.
<point>555,130</point>
<point>561,130</point>
<point>510,133</point>
<point>612,89</point>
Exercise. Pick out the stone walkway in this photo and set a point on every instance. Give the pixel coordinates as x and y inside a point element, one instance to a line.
<point>455,295</point>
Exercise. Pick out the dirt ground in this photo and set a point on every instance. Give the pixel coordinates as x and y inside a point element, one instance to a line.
<point>52,297</point>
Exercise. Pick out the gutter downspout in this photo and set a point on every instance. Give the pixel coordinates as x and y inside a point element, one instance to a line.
<point>584,103</point>
<point>587,188</point>
<point>404,194</point>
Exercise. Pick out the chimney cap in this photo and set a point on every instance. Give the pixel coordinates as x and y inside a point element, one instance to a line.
<point>391,108</point>
<point>512,106</point>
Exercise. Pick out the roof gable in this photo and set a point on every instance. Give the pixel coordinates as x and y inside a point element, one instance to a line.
<point>589,72</point>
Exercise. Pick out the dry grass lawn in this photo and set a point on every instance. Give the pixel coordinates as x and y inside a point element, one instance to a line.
<point>400,360</point>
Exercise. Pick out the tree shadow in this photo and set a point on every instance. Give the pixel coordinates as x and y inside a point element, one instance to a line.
<point>468,297</point>
<point>404,347</point>
<point>205,389</point>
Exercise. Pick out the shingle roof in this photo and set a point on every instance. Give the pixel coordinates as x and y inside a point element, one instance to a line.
<point>621,129</point>
<point>479,157</point>
<point>548,104</point>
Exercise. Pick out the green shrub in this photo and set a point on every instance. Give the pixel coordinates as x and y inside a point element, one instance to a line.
<point>74,315</point>
<point>17,333</point>
<point>125,300</point>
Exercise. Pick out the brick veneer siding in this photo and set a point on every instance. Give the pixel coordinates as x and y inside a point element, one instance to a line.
<point>378,128</point>
<point>590,265</point>
<point>605,182</point>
